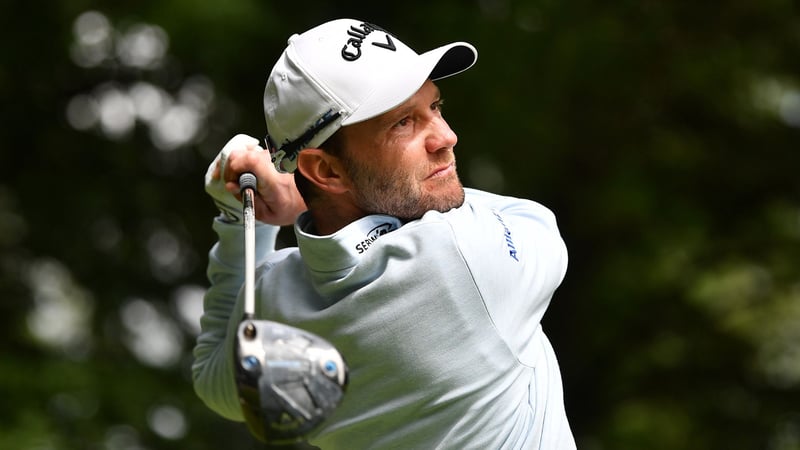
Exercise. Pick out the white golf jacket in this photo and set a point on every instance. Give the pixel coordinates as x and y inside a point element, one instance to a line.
<point>438,320</point>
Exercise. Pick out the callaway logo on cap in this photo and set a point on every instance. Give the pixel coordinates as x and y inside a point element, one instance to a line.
<point>343,72</point>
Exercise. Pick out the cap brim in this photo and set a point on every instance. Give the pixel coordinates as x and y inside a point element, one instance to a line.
<point>400,85</point>
<point>452,59</point>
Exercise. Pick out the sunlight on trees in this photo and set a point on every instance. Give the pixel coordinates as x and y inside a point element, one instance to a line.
<point>188,304</point>
<point>62,313</point>
<point>173,119</point>
<point>169,256</point>
<point>745,300</point>
<point>168,422</point>
<point>151,335</point>
<point>98,43</point>
<point>93,34</point>
<point>780,98</point>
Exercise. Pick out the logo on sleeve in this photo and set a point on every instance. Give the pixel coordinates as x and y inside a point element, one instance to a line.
<point>512,249</point>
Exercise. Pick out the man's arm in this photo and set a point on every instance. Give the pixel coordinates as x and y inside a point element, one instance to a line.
<point>212,371</point>
<point>277,203</point>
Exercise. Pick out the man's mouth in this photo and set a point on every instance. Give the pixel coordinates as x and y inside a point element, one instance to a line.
<point>443,171</point>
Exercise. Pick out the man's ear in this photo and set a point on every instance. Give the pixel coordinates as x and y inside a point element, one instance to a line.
<point>322,169</point>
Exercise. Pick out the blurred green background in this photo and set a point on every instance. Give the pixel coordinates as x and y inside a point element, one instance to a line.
<point>663,134</point>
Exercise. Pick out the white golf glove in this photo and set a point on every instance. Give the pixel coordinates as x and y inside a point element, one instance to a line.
<point>229,206</point>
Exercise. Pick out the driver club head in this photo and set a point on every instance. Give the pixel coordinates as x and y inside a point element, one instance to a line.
<point>288,380</point>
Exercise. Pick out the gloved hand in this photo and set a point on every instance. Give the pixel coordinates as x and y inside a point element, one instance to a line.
<point>229,206</point>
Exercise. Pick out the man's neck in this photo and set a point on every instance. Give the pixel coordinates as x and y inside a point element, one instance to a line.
<point>329,216</point>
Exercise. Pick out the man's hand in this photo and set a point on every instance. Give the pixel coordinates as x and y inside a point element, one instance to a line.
<point>277,201</point>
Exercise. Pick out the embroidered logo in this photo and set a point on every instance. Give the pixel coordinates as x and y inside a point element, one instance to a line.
<point>512,249</point>
<point>373,235</point>
<point>352,48</point>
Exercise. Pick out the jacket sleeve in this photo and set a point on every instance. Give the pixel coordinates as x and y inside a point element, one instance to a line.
<point>518,259</point>
<point>212,370</point>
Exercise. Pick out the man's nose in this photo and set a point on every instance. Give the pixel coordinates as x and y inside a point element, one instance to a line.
<point>440,135</point>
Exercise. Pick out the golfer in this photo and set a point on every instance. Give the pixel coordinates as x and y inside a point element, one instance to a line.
<point>433,293</point>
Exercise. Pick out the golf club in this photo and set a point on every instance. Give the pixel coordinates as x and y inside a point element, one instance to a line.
<point>288,380</point>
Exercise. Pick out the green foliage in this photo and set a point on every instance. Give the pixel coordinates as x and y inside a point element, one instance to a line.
<point>663,134</point>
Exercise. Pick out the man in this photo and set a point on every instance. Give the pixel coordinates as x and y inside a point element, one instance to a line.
<point>433,293</point>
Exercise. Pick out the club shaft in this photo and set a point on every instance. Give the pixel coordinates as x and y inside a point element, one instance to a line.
<point>249,252</point>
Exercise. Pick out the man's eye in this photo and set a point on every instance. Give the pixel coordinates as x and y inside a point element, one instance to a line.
<point>437,105</point>
<point>403,122</point>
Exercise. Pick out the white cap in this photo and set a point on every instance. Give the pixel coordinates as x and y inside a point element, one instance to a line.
<point>343,72</point>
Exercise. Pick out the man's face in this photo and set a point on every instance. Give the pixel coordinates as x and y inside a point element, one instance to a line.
<point>401,163</point>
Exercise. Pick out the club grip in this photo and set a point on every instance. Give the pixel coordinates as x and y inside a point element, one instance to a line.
<point>247,181</point>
